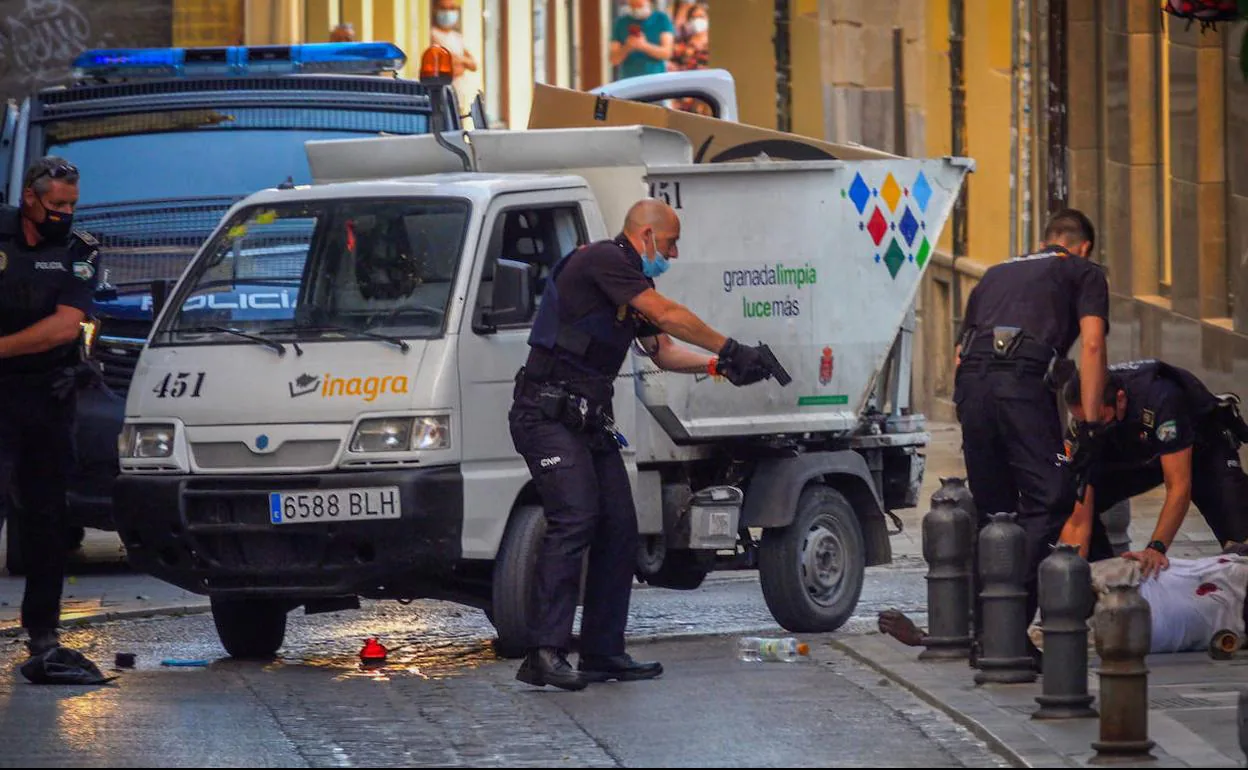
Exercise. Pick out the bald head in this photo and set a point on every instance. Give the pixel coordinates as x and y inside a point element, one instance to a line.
<point>653,228</point>
<point>651,213</point>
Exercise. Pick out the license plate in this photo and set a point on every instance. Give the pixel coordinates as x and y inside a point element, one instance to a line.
<point>334,505</point>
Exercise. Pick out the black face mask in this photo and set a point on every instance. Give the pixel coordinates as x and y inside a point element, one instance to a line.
<point>56,226</point>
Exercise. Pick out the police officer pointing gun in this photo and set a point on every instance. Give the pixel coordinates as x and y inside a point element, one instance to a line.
<point>47,285</point>
<point>1021,319</point>
<point>597,301</point>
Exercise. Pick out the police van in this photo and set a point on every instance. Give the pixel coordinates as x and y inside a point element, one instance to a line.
<point>350,440</point>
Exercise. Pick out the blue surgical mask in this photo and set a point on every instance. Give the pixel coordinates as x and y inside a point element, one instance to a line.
<point>657,265</point>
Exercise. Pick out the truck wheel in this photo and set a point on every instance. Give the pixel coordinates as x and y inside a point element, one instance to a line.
<point>812,570</point>
<point>250,629</point>
<point>514,596</point>
<point>681,570</point>
<point>651,553</point>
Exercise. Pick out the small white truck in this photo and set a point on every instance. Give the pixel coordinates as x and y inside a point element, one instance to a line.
<point>343,432</point>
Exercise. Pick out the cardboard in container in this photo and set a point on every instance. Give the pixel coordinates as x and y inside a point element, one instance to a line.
<point>713,140</point>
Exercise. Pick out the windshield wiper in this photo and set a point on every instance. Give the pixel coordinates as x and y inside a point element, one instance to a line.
<point>256,338</point>
<point>398,342</point>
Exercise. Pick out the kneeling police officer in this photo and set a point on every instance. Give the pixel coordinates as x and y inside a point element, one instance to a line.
<point>598,300</point>
<point>1164,426</point>
<point>47,286</point>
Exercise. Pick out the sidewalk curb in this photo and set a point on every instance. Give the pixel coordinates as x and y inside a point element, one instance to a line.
<point>976,728</point>
<point>85,621</point>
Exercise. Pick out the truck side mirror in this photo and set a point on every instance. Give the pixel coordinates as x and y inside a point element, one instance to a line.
<point>160,294</point>
<point>512,298</point>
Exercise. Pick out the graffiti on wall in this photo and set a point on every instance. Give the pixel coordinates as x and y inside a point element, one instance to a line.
<point>39,39</point>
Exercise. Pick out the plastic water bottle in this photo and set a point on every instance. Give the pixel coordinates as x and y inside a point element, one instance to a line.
<point>755,649</point>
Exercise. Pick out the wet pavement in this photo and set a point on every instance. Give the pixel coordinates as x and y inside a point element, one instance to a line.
<point>444,699</point>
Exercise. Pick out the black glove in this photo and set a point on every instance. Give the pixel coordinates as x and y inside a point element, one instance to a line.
<point>1083,449</point>
<point>741,364</point>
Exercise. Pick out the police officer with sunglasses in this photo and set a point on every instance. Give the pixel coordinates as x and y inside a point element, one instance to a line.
<point>48,276</point>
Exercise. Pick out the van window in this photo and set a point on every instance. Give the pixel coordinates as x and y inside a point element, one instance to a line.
<point>538,236</point>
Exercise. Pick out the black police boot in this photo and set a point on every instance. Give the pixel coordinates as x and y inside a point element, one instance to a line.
<point>549,666</point>
<point>42,640</point>
<point>623,668</point>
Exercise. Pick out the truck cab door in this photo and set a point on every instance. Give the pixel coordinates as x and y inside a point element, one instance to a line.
<point>8,146</point>
<point>712,91</point>
<point>536,229</point>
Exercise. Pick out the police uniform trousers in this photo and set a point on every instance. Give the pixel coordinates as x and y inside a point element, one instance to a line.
<point>1219,486</point>
<point>36,456</point>
<point>588,504</point>
<point>1011,443</point>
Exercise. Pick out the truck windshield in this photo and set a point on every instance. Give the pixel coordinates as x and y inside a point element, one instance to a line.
<point>190,154</point>
<point>323,270</point>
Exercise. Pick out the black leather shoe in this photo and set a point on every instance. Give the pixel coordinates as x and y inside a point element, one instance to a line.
<point>42,640</point>
<point>549,666</point>
<point>622,668</point>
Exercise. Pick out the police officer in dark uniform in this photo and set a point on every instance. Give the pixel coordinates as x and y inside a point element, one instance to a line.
<point>1163,426</point>
<point>1021,320</point>
<point>597,301</point>
<point>47,285</point>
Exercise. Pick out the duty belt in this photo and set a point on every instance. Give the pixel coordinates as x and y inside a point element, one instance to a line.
<point>557,402</point>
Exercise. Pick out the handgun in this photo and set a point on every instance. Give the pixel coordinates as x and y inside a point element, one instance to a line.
<point>773,366</point>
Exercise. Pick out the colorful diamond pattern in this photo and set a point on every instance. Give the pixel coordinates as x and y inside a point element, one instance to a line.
<point>922,192</point>
<point>924,250</point>
<point>859,193</point>
<point>890,191</point>
<point>895,215</point>
<point>877,226</point>
<point>909,226</point>
<point>894,258</point>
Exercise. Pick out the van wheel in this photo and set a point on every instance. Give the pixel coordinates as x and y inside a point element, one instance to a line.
<point>515,570</point>
<point>681,570</point>
<point>250,629</point>
<point>812,570</point>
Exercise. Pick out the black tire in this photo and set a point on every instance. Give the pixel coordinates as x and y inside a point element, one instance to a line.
<point>513,593</point>
<point>651,553</point>
<point>812,570</point>
<point>680,570</point>
<point>250,629</point>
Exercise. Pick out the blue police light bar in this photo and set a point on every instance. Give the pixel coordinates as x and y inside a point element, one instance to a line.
<point>315,58</point>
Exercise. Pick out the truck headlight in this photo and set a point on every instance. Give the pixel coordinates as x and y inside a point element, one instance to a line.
<point>431,433</point>
<point>146,441</point>
<point>401,434</point>
<point>386,434</point>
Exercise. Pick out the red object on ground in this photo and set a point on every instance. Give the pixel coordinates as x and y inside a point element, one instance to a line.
<point>373,651</point>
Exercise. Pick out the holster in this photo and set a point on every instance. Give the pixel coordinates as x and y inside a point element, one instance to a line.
<point>556,402</point>
<point>1230,419</point>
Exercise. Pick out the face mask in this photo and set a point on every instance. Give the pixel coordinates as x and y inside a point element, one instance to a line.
<point>657,265</point>
<point>55,225</point>
<point>640,13</point>
<point>447,19</point>
<point>699,25</point>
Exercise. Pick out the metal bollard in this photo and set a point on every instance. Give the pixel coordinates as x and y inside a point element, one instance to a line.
<point>1003,637</point>
<point>1117,519</point>
<point>1065,602</point>
<point>947,531</point>
<point>1242,717</point>
<point>1123,625</point>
